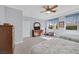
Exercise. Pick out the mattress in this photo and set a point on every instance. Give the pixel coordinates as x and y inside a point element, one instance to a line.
<point>56,46</point>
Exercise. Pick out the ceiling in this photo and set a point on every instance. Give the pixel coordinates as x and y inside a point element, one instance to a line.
<point>34,11</point>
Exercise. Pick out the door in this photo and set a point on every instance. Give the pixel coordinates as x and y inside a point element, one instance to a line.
<point>26,29</point>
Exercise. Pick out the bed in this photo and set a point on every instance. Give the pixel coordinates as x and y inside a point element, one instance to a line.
<point>56,46</point>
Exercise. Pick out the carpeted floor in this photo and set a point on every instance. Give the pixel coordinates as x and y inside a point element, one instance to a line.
<point>25,46</point>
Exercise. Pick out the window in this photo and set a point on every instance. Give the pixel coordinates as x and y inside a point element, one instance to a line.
<point>74,27</point>
<point>72,21</point>
<point>52,23</point>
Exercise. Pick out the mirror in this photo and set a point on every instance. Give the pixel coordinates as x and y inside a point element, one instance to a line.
<point>37,26</point>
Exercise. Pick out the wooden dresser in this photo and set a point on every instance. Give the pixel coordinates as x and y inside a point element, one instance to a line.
<point>6,39</point>
<point>37,33</point>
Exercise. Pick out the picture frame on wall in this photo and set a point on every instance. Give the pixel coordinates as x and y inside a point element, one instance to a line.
<point>61,24</point>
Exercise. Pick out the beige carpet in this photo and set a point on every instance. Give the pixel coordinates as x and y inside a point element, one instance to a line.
<point>25,46</point>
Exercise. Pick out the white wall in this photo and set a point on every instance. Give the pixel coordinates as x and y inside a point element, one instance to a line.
<point>64,32</point>
<point>2,14</point>
<point>14,17</point>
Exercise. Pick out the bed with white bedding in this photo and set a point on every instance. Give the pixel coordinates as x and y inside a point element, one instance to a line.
<point>56,46</point>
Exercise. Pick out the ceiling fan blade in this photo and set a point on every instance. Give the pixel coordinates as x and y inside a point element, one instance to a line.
<point>46,6</point>
<point>54,6</point>
<point>53,10</point>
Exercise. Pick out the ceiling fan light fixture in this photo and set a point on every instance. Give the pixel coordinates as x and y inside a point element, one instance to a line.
<point>48,12</point>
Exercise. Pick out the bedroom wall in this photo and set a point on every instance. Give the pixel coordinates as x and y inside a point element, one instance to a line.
<point>2,14</point>
<point>14,17</point>
<point>63,31</point>
<point>68,32</point>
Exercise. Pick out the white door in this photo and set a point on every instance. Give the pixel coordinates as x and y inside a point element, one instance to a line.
<point>26,29</point>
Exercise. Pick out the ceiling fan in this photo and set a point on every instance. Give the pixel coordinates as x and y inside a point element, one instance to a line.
<point>50,8</point>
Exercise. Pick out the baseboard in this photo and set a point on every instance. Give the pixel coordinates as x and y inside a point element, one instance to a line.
<point>19,42</point>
